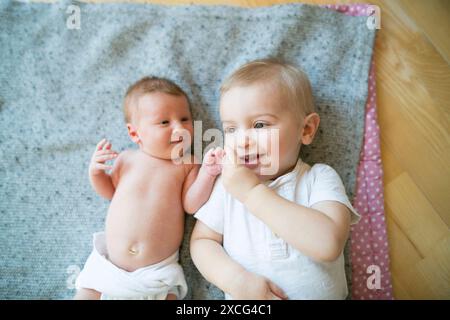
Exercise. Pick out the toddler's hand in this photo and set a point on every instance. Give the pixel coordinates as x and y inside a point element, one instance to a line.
<point>238,180</point>
<point>212,161</point>
<point>102,154</point>
<point>251,286</point>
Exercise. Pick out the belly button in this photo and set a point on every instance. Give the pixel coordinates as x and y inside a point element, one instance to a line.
<point>133,251</point>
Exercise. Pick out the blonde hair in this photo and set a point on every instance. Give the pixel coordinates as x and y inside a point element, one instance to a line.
<point>293,82</point>
<point>148,85</point>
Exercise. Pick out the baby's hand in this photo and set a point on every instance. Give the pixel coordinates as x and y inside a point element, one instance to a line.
<point>212,161</point>
<point>102,154</point>
<point>251,286</point>
<point>238,180</point>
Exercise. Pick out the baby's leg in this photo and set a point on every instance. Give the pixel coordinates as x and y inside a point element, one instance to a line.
<point>87,294</point>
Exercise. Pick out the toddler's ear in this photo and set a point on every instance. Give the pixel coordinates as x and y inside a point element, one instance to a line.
<point>310,126</point>
<point>132,132</point>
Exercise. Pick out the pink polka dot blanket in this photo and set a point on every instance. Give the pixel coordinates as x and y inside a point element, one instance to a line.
<point>371,277</point>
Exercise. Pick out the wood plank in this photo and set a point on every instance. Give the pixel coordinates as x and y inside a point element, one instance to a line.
<point>410,122</point>
<point>406,254</point>
<point>403,255</point>
<point>426,278</point>
<point>430,277</point>
<point>414,284</point>
<point>391,167</point>
<point>400,292</point>
<point>414,214</point>
<point>435,270</point>
<point>427,14</point>
<point>431,65</point>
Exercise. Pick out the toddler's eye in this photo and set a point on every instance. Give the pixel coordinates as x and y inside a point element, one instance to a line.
<point>230,130</point>
<point>259,125</point>
<point>165,122</point>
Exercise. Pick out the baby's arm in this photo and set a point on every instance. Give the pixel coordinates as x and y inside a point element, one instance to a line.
<point>218,268</point>
<point>100,180</point>
<point>319,232</point>
<point>200,181</point>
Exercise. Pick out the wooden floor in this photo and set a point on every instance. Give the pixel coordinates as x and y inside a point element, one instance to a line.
<point>412,56</point>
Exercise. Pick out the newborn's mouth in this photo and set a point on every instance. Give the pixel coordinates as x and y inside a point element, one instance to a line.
<point>180,139</point>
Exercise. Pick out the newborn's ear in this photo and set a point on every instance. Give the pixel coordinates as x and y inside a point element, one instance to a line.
<point>132,132</point>
<point>310,126</point>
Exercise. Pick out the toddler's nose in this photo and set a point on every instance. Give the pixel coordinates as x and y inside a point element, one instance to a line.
<point>245,139</point>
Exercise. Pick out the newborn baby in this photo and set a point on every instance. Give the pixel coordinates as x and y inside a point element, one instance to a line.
<point>150,189</point>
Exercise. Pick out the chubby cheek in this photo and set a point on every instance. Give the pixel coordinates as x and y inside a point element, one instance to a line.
<point>281,145</point>
<point>159,138</point>
<point>289,148</point>
<point>229,142</point>
<point>268,142</point>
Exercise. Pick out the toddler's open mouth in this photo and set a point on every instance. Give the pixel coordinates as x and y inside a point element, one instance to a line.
<point>251,160</point>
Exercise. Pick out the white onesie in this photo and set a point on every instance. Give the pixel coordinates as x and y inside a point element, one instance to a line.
<point>251,243</point>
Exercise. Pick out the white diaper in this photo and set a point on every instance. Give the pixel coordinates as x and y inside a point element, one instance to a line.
<point>154,282</point>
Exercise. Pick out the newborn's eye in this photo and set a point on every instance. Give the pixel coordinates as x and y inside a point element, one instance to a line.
<point>165,122</point>
<point>259,125</point>
<point>184,119</point>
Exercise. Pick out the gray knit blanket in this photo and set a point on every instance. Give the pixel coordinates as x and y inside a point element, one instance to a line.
<point>61,91</point>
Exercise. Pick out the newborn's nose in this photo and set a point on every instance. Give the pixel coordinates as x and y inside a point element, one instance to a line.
<point>179,134</point>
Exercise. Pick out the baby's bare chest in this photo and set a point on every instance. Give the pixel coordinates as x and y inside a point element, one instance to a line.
<point>155,178</point>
